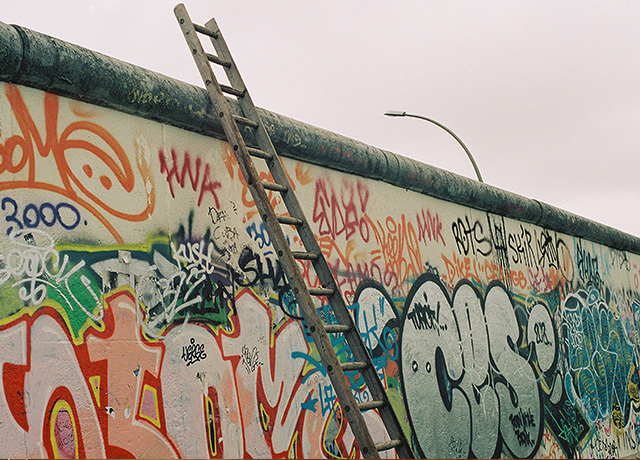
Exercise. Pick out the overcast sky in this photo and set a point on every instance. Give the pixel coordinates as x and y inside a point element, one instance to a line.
<point>545,94</point>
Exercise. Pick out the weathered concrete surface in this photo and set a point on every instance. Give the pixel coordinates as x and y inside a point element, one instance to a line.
<point>143,312</point>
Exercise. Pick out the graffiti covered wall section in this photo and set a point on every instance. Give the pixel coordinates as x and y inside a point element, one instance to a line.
<point>144,313</point>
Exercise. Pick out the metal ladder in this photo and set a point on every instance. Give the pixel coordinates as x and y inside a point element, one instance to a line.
<point>318,330</point>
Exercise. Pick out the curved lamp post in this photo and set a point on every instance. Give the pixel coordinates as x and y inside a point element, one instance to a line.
<point>396,113</point>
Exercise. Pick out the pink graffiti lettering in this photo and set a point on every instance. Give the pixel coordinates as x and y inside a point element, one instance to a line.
<point>341,212</point>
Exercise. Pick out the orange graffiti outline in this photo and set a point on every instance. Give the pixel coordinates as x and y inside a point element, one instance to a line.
<point>57,147</point>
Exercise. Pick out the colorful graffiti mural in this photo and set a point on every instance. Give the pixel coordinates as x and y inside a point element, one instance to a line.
<point>143,312</point>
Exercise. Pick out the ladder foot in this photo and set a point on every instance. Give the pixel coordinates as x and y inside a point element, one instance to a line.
<point>336,328</point>
<point>386,445</point>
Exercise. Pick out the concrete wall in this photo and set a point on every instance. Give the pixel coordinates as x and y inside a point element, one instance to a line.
<point>143,312</point>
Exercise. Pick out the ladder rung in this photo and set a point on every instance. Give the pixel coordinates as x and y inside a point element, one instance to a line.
<point>203,30</point>
<point>335,328</point>
<point>289,220</point>
<point>245,121</point>
<point>232,91</point>
<point>273,186</point>
<point>354,366</point>
<point>302,255</point>
<point>259,153</point>
<point>320,291</point>
<point>386,445</point>
<point>370,405</point>
<point>216,60</point>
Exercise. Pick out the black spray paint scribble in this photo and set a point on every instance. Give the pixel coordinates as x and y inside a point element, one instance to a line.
<point>250,359</point>
<point>193,352</point>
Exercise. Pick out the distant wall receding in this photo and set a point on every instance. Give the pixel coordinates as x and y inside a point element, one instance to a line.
<point>143,312</point>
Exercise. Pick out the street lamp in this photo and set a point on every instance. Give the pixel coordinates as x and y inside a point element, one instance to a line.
<point>397,113</point>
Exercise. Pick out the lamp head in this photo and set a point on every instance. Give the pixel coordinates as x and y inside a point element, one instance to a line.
<point>395,113</point>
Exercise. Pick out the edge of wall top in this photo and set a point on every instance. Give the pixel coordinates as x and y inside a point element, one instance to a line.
<point>36,60</point>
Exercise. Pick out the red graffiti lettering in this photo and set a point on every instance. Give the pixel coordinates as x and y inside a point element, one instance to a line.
<point>179,175</point>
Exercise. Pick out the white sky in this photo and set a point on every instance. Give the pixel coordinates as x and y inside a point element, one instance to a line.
<point>545,94</point>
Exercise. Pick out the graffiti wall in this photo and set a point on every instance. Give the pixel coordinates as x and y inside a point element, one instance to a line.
<point>144,313</point>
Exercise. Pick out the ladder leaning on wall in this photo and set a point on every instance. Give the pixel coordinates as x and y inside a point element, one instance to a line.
<point>318,330</point>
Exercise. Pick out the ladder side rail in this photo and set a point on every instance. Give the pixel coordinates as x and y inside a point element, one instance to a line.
<point>321,339</point>
<point>316,327</point>
<point>232,132</point>
<point>373,382</point>
<point>261,136</point>
<point>321,267</point>
<point>276,168</point>
<point>309,240</point>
